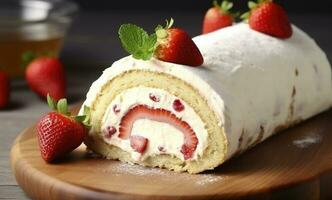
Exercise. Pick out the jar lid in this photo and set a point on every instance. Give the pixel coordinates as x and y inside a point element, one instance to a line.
<point>31,11</point>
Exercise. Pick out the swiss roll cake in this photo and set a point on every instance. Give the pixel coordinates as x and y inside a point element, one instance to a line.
<point>183,118</point>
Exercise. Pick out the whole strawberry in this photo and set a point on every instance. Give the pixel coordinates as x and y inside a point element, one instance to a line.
<point>46,75</point>
<point>167,44</point>
<point>217,17</point>
<point>4,90</point>
<point>58,132</point>
<point>176,46</point>
<point>269,18</point>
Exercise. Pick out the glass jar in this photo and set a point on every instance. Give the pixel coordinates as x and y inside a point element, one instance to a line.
<point>31,28</point>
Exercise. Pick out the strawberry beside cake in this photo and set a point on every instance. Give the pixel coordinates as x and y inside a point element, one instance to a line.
<point>163,107</point>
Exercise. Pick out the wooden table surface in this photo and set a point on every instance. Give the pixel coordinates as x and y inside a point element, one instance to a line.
<point>91,46</point>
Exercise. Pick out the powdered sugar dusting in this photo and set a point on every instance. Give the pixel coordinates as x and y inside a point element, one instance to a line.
<point>119,168</point>
<point>124,168</point>
<point>208,179</point>
<point>307,141</point>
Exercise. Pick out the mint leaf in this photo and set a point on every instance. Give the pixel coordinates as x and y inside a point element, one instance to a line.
<point>148,47</point>
<point>151,41</point>
<point>137,42</point>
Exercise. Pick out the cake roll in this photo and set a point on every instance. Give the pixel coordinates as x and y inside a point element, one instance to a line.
<point>192,119</point>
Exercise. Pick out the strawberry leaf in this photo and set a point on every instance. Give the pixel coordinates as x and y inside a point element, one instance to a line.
<point>229,5</point>
<point>86,114</point>
<point>80,118</point>
<point>158,28</point>
<point>62,106</point>
<point>226,5</point>
<point>245,16</point>
<point>161,33</point>
<point>51,102</point>
<point>169,23</point>
<point>86,120</point>
<point>86,110</point>
<point>252,5</point>
<point>215,3</point>
<point>137,42</point>
<point>27,57</point>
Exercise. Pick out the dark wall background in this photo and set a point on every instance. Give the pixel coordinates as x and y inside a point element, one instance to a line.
<point>93,39</point>
<point>295,6</point>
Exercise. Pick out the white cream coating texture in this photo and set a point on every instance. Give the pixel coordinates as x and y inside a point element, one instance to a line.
<point>252,81</point>
<point>265,82</point>
<point>158,134</point>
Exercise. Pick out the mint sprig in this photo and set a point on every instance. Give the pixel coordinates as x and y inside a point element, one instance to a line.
<point>137,41</point>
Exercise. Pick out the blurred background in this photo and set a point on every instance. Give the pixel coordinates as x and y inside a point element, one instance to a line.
<point>98,21</point>
<point>92,41</point>
<point>292,5</point>
<point>88,42</point>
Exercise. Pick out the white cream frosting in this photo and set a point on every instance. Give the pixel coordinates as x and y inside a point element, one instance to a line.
<point>255,74</point>
<point>159,134</point>
<point>248,79</point>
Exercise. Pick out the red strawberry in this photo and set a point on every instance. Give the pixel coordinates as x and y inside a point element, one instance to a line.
<point>58,132</point>
<point>178,106</point>
<point>153,97</point>
<point>4,90</point>
<point>190,142</point>
<point>176,46</point>
<point>218,17</point>
<point>160,115</point>
<point>110,131</point>
<point>168,44</point>
<point>269,18</point>
<point>138,143</point>
<point>46,76</point>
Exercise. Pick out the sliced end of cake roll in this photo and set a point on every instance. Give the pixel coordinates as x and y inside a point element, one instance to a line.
<point>141,113</point>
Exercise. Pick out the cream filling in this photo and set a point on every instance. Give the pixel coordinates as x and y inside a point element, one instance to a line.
<point>160,135</point>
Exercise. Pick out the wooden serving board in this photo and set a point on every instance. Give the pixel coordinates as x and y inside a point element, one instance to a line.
<point>293,164</point>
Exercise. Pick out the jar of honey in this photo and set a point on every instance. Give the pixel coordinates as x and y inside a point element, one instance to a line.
<point>31,28</point>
